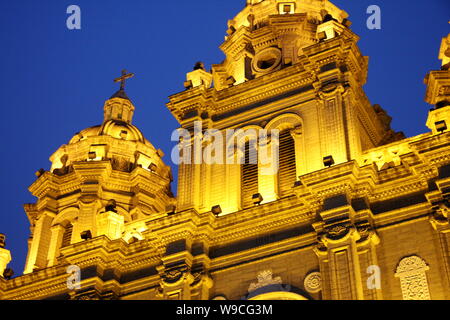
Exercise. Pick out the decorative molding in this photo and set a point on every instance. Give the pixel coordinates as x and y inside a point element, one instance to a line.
<point>412,274</point>
<point>265,278</point>
<point>313,282</point>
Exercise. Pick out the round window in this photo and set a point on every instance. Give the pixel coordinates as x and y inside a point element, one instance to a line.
<point>267,60</point>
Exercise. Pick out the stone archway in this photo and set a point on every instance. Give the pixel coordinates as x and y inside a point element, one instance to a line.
<point>276,292</point>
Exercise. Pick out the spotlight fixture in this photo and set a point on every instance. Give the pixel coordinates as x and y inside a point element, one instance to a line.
<point>216,210</point>
<point>322,36</point>
<point>298,184</point>
<point>86,235</point>
<point>442,104</point>
<point>8,273</point>
<point>347,23</point>
<point>39,173</point>
<point>188,85</point>
<point>152,167</point>
<point>328,161</point>
<point>230,81</point>
<point>441,126</point>
<point>257,199</point>
<point>171,210</point>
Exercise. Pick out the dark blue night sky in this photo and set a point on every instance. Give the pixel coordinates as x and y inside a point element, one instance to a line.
<point>54,81</point>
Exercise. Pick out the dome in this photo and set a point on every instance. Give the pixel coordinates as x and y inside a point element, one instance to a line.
<point>113,128</point>
<point>116,140</point>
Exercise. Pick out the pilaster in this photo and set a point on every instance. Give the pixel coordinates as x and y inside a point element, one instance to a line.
<point>346,249</point>
<point>57,232</point>
<point>37,256</point>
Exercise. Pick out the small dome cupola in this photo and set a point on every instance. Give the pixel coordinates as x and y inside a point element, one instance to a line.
<point>119,106</point>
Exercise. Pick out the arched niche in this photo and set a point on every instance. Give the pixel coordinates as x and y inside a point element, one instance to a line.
<point>277,292</point>
<point>285,121</point>
<point>235,144</point>
<point>291,150</point>
<point>66,216</point>
<point>235,153</point>
<point>62,232</point>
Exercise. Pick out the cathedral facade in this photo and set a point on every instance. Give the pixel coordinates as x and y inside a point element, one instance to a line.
<point>354,211</point>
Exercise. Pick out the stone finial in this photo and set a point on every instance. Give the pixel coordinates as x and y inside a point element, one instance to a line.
<point>198,77</point>
<point>199,66</point>
<point>444,53</point>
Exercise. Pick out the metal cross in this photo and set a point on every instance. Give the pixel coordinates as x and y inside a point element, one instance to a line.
<point>125,76</point>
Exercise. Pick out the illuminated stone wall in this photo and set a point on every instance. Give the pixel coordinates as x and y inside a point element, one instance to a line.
<point>372,224</point>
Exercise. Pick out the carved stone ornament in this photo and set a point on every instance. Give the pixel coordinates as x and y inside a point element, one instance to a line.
<point>364,232</point>
<point>265,278</point>
<point>321,244</point>
<point>313,282</point>
<point>443,211</point>
<point>337,232</point>
<point>173,275</point>
<point>94,295</point>
<point>414,283</point>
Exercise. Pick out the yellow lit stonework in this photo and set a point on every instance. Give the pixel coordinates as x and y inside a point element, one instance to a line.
<point>351,197</point>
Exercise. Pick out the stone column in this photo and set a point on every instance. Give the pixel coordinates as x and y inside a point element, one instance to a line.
<point>89,206</point>
<point>440,223</point>
<point>343,268</point>
<point>176,276</point>
<point>183,276</point>
<point>268,166</point>
<point>346,250</point>
<point>200,287</point>
<point>110,224</point>
<point>38,253</point>
<point>333,135</point>
<point>300,154</point>
<point>56,238</point>
<point>233,180</point>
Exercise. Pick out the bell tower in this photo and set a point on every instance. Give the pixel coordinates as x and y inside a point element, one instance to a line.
<point>292,66</point>
<point>438,91</point>
<point>102,184</point>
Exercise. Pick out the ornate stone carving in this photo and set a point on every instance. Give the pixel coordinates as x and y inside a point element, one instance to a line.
<point>414,284</point>
<point>93,295</point>
<point>364,232</point>
<point>173,275</point>
<point>313,282</point>
<point>337,232</point>
<point>443,210</point>
<point>265,278</point>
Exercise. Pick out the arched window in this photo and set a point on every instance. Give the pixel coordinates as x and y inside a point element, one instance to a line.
<point>67,236</point>
<point>249,174</point>
<point>287,165</point>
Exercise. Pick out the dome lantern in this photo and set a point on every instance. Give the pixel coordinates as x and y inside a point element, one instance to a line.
<point>119,106</point>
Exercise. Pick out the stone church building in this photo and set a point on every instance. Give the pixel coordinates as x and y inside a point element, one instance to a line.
<point>355,211</point>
